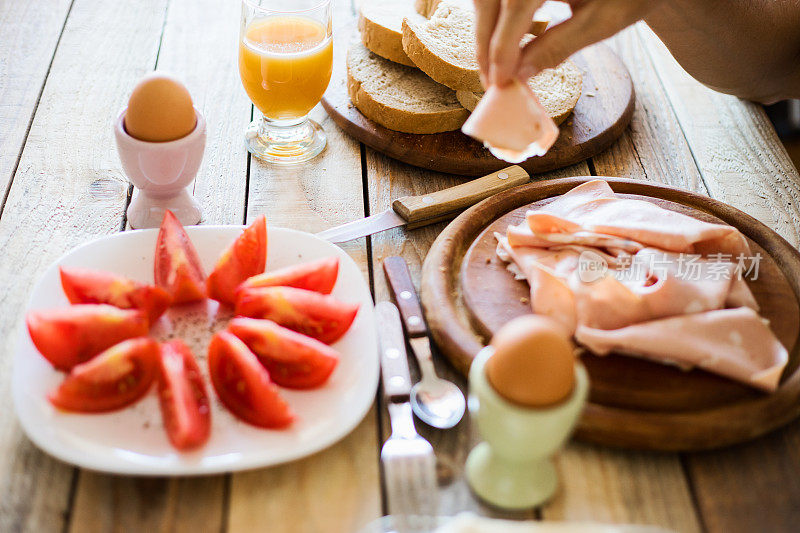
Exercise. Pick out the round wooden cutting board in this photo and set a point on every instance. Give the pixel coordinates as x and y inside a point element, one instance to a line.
<point>468,294</point>
<point>601,115</point>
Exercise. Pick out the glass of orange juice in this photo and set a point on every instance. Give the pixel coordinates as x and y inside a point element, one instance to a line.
<point>285,60</point>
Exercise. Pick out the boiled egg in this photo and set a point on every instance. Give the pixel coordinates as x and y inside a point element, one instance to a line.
<point>533,363</point>
<point>159,110</point>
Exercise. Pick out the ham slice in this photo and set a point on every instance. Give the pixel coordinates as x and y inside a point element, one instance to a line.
<point>654,285</point>
<point>594,207</point>
<point>523,236</point>
<point>735,343</point>
<point>511,123</point>
<point>615,272</point>
<point>546,272</point>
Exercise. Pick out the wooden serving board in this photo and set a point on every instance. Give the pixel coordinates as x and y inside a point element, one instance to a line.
<point>601,115</point>
<point>468,294</point>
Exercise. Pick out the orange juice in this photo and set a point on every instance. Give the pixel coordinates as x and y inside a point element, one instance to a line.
<point>285,65</point>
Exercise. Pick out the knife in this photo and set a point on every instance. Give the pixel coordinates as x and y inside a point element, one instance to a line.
<point>417,211</point>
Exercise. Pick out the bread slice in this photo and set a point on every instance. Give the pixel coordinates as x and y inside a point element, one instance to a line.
<point>426,8</point>
<point>399,97</point>
<point>558,90</point>
<point>444,47</point>
<point>380,23</point>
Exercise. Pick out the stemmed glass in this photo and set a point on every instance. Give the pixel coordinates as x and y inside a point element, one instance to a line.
<point>285,61</point>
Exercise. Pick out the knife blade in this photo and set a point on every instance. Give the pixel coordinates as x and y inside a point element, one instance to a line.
<point>418,211</point>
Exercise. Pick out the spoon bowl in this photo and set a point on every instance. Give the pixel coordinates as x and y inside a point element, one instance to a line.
<point>438,402</point>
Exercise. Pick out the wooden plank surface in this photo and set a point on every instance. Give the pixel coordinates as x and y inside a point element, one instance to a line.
<point>116,503</point>
<point>68,188</point>
<point>752,487</point>
<point>29,38</point>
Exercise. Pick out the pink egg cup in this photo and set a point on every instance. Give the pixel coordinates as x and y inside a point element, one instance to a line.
<point>161,171</point>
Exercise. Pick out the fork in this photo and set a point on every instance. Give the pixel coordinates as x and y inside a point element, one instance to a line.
<point>409,465</point>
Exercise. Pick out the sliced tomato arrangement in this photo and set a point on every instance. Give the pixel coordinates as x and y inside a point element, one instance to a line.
<point>310,313</point>
<point>112,380</point>
<point>246,257</point>
<point>318,276</point>
<point>185,407</point>
<point>244,385</point>
<point>71,335</point>
<point>177,267</point>
<point>294,360</point>
<point>86,286</point>
<point>100,340</point>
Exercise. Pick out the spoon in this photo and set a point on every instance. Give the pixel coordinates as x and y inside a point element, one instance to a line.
<point>435,401</point>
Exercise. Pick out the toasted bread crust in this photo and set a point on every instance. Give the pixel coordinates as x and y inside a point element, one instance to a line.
<point>439,69</point>
<point>382,40</point>
<point>369,102</point>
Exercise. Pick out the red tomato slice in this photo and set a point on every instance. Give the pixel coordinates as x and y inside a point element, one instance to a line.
<point>115,378</point>
<point>318,276</point>
<point>85,286</point>
<point>177,265</point>
<point>243,385</point>
<point>185,408</point>
<point>293,360</point>
<point>310,313</point>
<point>71,335</point>
<point>246,257</point>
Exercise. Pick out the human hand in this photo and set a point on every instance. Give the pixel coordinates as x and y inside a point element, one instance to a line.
<point>501,25</point>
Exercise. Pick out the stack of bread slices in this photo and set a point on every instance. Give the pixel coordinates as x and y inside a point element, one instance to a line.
<point>415,69</point>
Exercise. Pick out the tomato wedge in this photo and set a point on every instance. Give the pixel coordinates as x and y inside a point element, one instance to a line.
<point>71,335</point>
<point>85,286</point>
<point>318,276</point>
<point>243,385</point>
<point>177,266</point>
<point>310,313</point>
<point>293,360</point>
<point>246,257</point>
<point>182,396</point>
<point>115,378</point>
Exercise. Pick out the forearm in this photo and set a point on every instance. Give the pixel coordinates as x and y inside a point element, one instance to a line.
<point>750,48</point>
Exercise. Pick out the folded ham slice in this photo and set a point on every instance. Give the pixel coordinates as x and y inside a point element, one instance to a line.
<point>653,285</point>
<point>593,206</point>
<point>523,236</point>
<point>629,276</point>
<point>511,123</point>
<point>735,343</point>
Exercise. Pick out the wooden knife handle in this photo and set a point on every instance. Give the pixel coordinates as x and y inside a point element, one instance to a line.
<point>394,360</point>
<point>456,199</point>
<point>405,295</point>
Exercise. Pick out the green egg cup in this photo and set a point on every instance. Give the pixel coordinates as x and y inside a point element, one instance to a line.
<point>513,468</point>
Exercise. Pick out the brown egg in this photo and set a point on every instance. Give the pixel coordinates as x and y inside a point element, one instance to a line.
<point>533,363</point>
<point>160,109</point>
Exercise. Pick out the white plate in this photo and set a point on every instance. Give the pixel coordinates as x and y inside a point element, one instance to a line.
<point>132,441</point>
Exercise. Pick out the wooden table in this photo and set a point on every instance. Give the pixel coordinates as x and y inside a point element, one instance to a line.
<point>66,69</point>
